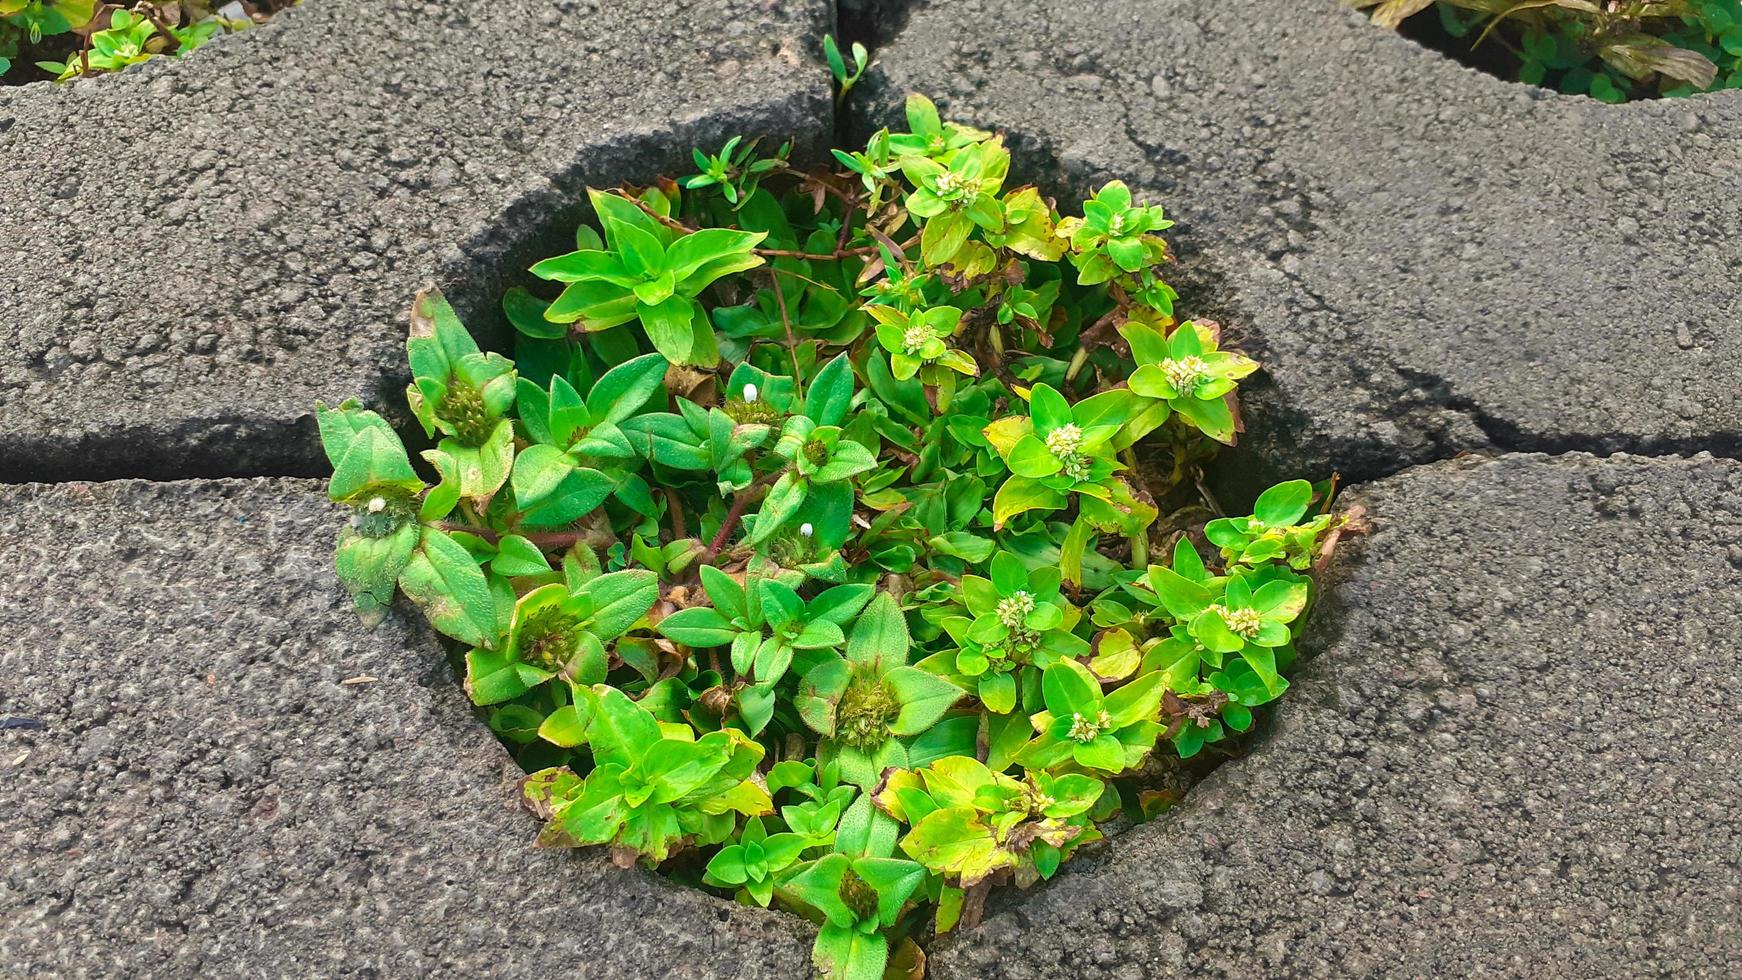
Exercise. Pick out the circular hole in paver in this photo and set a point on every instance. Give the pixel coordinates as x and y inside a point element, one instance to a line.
<point>1601,52</point>
<point>46,40</point>
<point>1104,714</point>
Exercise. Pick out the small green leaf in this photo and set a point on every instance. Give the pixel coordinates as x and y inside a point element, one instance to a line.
<point>1019,495</point>
<point>1184,598</point>
<point>444,496</point>
<point>726,593</point>
<point>830,393</point>
<point>624,389</point>
<point>783,501</point>
<point>944,236</point>
<point>820,692</point>
<point>566,726</point>
<point>1104,753</point>
<point>365,452</point>
<point>551,489</point>
<point>669,328</point>
<point>370,568</point>
<point>1030,458</point>
<point>1070,689</point>
<point>526,313</point>
<point>819,886</point>
<point>924,698</point>
<point>697,627</point>
<point>880,635</point>
<point>840,604</point>
<point>956,843</point>
<point>1283,504</point>
<point>516,556</point>
<point>443,579</point>
<point>619,600</point>
<point>1213,418</point>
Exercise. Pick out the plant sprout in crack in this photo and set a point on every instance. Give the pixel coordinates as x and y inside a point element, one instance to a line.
<point>1611,50</point>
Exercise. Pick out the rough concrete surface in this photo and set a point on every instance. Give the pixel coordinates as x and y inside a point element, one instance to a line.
<point>1428,258</point>
<point>1517,752</point>
<point>207,798</point>
<point>1514,753</point>
<point>194,251</point>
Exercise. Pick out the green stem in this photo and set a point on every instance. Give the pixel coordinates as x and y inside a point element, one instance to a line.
<point>469,512</point>
<point>1140,539</point>
<point>1080,358</point>
<point>791,342</point>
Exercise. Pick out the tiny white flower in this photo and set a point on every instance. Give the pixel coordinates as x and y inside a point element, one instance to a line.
<point>1065,440</point>
<point>1087,729</point>
<point>750,393</point>
<point>914,338</point>
<point>1185,373</point>
<point>1014,608</point>
<point>377,504</point>
<point>806,529</point>
<point>1241,622</point>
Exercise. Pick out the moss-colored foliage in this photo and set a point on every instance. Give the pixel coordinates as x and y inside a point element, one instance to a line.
<point>1611,50</point>
<point>804,547</point>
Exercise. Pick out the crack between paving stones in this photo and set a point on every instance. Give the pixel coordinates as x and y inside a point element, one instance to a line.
<point>1442,395</point>
<point>1498,434</point>
<point>21,469</point>
<point>873,23</point>
<point>1503,436</point>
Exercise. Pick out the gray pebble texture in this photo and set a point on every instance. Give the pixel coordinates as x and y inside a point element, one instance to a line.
<point>1517,752</point>
<point>206,797</point>
<point>195,250</point>
<point>1427,258</point>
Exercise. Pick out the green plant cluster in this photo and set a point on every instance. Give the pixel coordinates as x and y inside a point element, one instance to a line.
<point>805,547</point>
<point>65,39</point>
<point>1612,50</point>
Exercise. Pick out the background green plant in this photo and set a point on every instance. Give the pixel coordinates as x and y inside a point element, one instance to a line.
<point>804,548</point>
<point>1612,50</point>
<point>63,39</point>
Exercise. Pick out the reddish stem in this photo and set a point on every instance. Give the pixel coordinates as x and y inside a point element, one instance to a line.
<point>674,507</point>
<point>850,200</point>
<point>835,256</point>
<point>543,539</point>
<point>974,905</point>
<point>740,504</point>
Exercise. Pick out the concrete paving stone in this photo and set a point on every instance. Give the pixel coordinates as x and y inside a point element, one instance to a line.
<point>1517,751</point>
<point>1428,258</point>
<point>205,796</point>
<point>194,251</point>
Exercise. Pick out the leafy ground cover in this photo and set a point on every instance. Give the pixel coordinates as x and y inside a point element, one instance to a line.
<point>836,538</point>
<point>64,39</point>
<point>1612,50</point>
